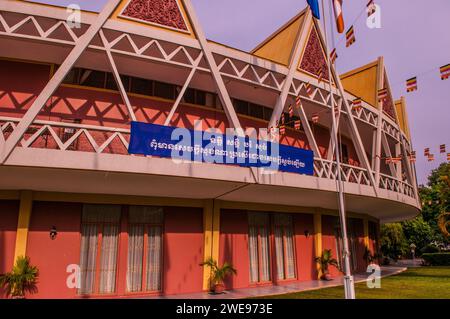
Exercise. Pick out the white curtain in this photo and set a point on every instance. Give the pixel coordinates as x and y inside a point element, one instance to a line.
<point>279,252</point>
<point>154,258</point>
<point>264,242</point>
<point>96,219</point>
<point>135,257</point>
<point>253,253</point>
<point>89,238</point>
<point>108,260</point>
<point>290,257</point>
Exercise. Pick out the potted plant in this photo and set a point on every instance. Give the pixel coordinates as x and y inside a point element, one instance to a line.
<point>218,274</point>
<point>21,279</point>
<point>369,257</point>
<point>325,261</point>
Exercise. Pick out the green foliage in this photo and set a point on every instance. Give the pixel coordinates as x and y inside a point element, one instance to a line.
<point>393,241</point>
<point>326,260</point>
<point>437,259</point>
<point>21,279</point>
<point>418,232</point>
<point>219,273</point>
<point>429,249</point>
<point>435,198</point>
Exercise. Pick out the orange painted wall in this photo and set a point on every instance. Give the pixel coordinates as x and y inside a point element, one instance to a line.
<point>306,267</point>
<point>183,250</point>
<point>9,213</point>
<point>53,256</point>
<point>233,246</point>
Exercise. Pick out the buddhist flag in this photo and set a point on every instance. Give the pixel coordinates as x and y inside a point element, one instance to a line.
<point>448,156</point>
<point>282,129</point>
<point>333,56</point>
<point>412,156</point>
<point>297,125</point>
<point>445,72</point>
<point>320,74</point>
<point>315,118</point>
<point>426,151</point>
<point>382,94</point>
<point>411,84</point>
<point>314,5</point>
<point>298,101</point>
<point>309,89</point>
<point>350,36</point>
<point>357,104</point>
<point>442,148</point>
<point>282,119</point>
<point>430,157</point>
<point>291,111</point>
<point>338,15</point>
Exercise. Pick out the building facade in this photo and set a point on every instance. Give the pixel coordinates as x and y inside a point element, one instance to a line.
<point>100,222</point>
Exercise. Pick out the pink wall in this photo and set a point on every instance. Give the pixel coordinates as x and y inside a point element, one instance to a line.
<point>183,250</point>
<point>329,240</point>
<point>306,267</point>
<point>9,212</point>
<point>234,246</point>
<point>53,256</point>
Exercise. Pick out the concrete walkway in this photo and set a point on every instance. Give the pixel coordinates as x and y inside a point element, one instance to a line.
<point>283,289</point>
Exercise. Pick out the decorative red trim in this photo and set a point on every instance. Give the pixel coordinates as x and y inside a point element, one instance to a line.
<point>163,12</point>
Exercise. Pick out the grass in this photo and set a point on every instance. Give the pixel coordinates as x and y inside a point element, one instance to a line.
<point>414,283</point>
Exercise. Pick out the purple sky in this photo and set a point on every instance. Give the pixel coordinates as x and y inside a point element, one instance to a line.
<point>413,40</point>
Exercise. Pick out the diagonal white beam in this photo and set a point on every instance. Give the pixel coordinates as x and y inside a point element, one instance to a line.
<point>379,107</point>
<point>116,74</point>
<point>295,60</point>
<point>183,89</point>
<point>56,80</point>
<point>220,85</point>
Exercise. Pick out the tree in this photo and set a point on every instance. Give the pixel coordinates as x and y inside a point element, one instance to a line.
<point>418,232</point>
<point>392,240</point>
<point>435,199</point>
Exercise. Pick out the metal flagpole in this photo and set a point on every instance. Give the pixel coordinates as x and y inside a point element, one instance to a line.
<point>349,285</point>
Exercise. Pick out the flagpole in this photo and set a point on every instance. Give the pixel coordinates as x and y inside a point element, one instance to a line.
<point>349,285</point>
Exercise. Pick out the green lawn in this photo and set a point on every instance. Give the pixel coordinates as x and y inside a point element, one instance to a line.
<point>425,282</point>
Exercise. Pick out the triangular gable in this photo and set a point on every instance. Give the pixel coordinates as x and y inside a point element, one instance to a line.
<point>314,57</point>
<point>362,82</point>
<point>168,14</point>
<point>278,47</point>
<point>402,116</point>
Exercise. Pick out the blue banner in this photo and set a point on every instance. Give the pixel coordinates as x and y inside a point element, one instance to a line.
<point>214,147</point>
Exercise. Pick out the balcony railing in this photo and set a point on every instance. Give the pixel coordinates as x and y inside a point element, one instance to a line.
<point>110,140</point>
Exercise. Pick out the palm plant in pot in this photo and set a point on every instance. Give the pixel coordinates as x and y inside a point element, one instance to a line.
<point>21,279</point>
<point>218,274</point>
<point>325,261</point>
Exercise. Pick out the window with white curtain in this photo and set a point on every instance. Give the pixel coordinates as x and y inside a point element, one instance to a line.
<point>258,245</point>
<point>99,243</point>
<point>144,249</point>
<point>284,246</point>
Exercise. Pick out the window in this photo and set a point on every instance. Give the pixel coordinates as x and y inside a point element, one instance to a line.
<point>99,240</point>
<point>92,78</point>
<point>164,90</point>
<point>267,113</point>
<point>241,106</point>
<point>141,86</point>
<point>256,111</point>
<point>144,249</point>
<point>284,246</point>
<point>258,244</point>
